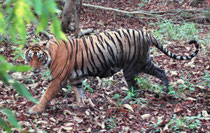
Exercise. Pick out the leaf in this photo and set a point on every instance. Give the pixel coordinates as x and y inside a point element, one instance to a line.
<point>205,114</point>
<point>43,20</point>
<point>116,96</point>
<point>20,68</point>
<point>180,81</point>
<point>67,128</point>
<point>2,22</point>
<point>146,116</point>
<point>51,5</point>
<point>56,29</point>
<point>79,120</point>
<point>38,6</point>
<point>128,107</point>
<point>5,125</point>
<point>5,78</point>
<point>7,2</point>
<point>11,118</point>
<point>23,91</point>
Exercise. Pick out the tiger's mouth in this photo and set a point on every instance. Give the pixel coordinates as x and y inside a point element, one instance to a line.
<point>36,71</point>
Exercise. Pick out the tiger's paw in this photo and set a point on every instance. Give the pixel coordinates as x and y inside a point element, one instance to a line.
<point>36,109</point>
<point>77,106</point>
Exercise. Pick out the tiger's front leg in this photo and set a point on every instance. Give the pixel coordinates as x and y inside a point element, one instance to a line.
<point>50,93</point>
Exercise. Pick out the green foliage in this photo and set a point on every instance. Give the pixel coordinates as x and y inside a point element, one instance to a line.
<point>46,75</point>
<point>5,77</point>
<point>143,83</point>
<point>19,13</point>
<point>101,22</point>
<point>5,126</point>
<point>13,121</point>
<point>131,93</point>
<point>15,16</point>
<point>6,67</point>
<point>21,89</point>
<point>140,101</point>
<point>107,82</point>
<point>206,79</point>
<point>142,3</point>
<point>87,86</point>
<point>116,96</point>
<point>18,53</point>
<point>166,28</point>
<point>187,122</point>
<point>111,122</point>
<point>186,85</point>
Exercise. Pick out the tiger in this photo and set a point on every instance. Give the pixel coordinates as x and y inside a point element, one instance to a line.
<point>101,55</point>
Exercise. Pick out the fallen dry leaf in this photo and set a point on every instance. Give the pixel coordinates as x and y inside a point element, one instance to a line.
<point>145,116</point>
<point>128,106</point>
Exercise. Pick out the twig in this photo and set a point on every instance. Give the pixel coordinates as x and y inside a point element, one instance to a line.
<point>84,32</point>
<point>118,10</point>
<point>149,13</point>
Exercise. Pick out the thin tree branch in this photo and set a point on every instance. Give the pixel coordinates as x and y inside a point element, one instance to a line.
<point>149,13</point>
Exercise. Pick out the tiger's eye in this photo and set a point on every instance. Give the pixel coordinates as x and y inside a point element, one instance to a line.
<point>40,57</point>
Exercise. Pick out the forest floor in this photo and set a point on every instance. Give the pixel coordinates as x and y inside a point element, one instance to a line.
<point>186,109</point>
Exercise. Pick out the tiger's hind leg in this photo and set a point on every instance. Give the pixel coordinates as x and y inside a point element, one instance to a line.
<point>130,78</point>
<point>130,73</point>
<point>153,70</point>
<point>78,91</point>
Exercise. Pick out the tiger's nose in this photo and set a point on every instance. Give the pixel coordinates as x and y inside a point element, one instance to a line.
<point>36,70</point>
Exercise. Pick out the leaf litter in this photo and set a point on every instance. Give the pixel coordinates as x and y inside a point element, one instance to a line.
<point>105,114</point>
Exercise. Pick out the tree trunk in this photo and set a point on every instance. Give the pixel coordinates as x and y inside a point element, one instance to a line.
<point>71,8</point>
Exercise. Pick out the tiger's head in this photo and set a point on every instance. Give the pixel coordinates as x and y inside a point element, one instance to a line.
<point>38,57</point>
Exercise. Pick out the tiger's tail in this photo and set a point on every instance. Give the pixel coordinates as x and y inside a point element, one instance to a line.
<point>174,56</point>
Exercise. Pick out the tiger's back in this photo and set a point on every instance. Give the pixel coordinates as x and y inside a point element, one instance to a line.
<point>110,51</point>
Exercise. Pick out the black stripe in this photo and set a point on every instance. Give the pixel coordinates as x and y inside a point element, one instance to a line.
<point>100,40</point>
<point>93,61</point>
<point>118,31</point>
<point>111,52</point>
<point>86,49</point>
<point>134,38</point>
<point>56,42</point>
<point>142,35</point>
<point>82,67</point>
<point>121,48</point>
<point>89,72</point>
<point>79,85</point>
<point>125,34</point>
<point>71,53</point>
<point>91,54</point>
<point>112,39</point>
<point>128,30</point>
<point>75,60</point>
<point>91,40</point>
<point>139,44</point>
<point>53,69</point>
<point>104,59</point>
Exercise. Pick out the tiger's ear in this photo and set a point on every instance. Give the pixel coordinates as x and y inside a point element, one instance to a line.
<point>27,46</point>
<point>46,44</point>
